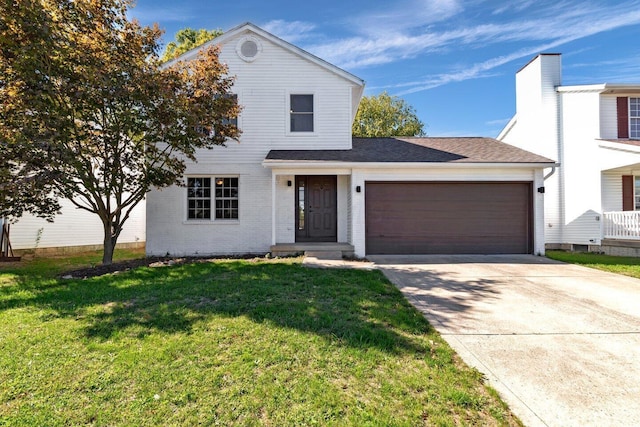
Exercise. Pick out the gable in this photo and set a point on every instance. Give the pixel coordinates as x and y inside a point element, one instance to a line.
<point>256,56</point>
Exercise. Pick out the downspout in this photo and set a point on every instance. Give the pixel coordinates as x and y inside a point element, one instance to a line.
<point>553,170</point>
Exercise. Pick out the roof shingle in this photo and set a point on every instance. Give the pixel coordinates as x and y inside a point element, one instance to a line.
<point>416,150</point>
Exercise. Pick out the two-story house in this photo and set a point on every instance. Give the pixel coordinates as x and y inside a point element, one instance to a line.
<point>592,200</point>
<point>298,181</point>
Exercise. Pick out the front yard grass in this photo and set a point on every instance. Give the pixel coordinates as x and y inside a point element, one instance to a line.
<point>234,342</point>
<point>629,266</point>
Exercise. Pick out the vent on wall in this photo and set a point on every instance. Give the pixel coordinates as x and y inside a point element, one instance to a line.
<point>248,49</point>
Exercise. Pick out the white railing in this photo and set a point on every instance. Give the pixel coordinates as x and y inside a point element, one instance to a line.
<point>622,225</point>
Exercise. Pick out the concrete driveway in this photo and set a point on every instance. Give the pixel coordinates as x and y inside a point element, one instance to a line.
<point>560,343</point>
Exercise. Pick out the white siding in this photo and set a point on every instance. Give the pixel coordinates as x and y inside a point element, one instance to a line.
<point>169,231</point>
<point>536,129</point>
<point>611,192</point>
<point>537,107</point>
<point>608,117</point>
<point>581,170</point>
<point>73,227</point>
<point>263,87</point>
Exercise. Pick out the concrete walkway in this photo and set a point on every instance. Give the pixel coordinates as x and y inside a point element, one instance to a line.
<point>560,343</point>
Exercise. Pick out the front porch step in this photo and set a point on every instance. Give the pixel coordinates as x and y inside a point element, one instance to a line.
<point>331,255</point>
<point>326,250</point>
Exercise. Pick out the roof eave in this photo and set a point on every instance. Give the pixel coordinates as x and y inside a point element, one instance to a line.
<point>606,88</point>
<point>313,164</point>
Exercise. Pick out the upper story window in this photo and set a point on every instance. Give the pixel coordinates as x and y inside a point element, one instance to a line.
<point>634,118</point>
<point>207,130</point>
<point>301,112</point>
<point>628,110</point>
<point>231,120</point>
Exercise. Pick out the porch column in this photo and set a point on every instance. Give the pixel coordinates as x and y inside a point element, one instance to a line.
<point>273,207</point>
<point>358,214</point>
<point>538,213</point>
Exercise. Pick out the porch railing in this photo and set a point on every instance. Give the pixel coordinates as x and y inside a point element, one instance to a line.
<point>622,225</point>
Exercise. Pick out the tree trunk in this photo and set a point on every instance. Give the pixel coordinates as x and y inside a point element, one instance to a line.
<point>109,246</point>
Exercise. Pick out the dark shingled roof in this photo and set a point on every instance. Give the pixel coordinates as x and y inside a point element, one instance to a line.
<point>416,150</point>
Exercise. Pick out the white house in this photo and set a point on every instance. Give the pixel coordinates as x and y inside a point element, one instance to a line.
<point>592,201</point>
<point>298,181</point>
<point>74,230</point>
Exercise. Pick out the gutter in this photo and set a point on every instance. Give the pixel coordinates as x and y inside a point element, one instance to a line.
<point>396,165</point>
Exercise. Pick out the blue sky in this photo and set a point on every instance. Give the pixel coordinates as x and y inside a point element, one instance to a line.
<point>454,61</point>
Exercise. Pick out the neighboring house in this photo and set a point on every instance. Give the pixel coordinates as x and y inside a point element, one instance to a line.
<point>74,230</point>
<point>298,181</point>
<point>592,201</point>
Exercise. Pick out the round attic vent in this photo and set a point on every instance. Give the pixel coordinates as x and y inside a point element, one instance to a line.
<point>248,49</point>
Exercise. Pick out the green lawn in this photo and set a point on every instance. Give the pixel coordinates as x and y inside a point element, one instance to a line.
<point>629,266</point>
<point>234,342</point>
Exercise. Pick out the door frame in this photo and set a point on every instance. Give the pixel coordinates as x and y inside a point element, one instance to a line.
<point>306,235</point>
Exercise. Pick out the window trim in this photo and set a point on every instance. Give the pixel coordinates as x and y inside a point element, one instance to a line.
<point>212,199</point>
<point>288,113</point>
<point>189,199</point>
<point>634,131</point>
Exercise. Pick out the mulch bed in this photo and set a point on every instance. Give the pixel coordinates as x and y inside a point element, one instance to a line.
<point>117,267</point>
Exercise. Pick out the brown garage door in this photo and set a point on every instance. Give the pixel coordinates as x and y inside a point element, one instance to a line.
<point>448,218</point>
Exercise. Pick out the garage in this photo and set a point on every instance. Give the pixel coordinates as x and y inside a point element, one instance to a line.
<point>448,218</point>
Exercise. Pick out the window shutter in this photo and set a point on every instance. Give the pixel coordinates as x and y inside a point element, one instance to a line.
<point>623,117</point>
<point>627,193</point>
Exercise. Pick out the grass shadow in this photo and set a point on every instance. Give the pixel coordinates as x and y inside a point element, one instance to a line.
<point>356,308</point>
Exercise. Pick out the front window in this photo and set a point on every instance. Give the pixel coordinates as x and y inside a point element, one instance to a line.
<point>199,198</point>
<point>634,118</point>
<point>301,110</point>
<point>224,198</point>
<point>636,193</point>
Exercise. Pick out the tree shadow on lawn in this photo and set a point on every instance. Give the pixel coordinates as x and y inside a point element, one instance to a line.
<point>358,308</point>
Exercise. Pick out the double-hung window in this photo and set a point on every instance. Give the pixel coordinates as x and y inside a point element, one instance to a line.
<point>301,113</point>
<point>209,130</point>
<point>199,198</point>
<point>226,198</point>
<point>221,200</point>
<point>634,118</point>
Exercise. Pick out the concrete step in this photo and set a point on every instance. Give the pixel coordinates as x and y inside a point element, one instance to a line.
<point>284,249</point>
<point>333,255</point>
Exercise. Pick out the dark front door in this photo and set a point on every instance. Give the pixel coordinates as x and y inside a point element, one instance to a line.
<point>316,208</point>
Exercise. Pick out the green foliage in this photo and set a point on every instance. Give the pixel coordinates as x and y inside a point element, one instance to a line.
<point>250,342</point>
<point>385,115</point>
<point>187,39</point>
<point>87,113</point>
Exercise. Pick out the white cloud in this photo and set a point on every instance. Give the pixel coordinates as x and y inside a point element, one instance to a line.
<point>496,122</point>
<point>399,36</point>
<point>293,31</point>
<point>400,16</point>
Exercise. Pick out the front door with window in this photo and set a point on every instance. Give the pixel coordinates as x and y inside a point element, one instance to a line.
<point>316,208</point>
